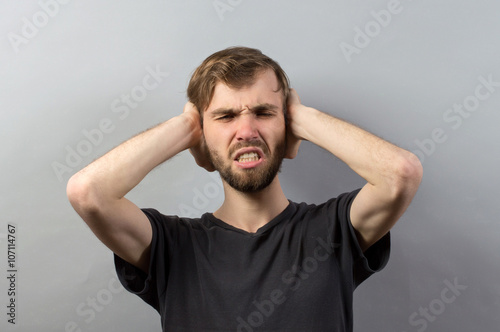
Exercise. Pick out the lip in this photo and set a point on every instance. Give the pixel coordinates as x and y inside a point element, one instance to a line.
<point>252,163</point>
<point>248,150</point>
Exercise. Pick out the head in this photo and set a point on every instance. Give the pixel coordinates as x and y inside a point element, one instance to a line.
<point>235,67</point>
<point>241,94</point>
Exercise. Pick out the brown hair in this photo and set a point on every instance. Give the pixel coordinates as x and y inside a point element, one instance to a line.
<point>235,67</point>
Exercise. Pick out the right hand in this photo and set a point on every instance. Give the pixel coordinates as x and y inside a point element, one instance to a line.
<point>198,148</point>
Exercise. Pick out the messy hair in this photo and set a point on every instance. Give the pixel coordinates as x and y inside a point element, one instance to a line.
<point>235,67</point>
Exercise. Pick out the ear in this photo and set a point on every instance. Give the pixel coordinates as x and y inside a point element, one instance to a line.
<point>201,155</point>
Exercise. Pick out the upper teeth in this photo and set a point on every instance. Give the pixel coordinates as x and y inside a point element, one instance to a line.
<point>246,157</point>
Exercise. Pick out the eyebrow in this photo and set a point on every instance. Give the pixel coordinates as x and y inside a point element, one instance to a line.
<point>259,107</point>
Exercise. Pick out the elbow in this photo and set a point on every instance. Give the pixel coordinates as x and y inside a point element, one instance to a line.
<point>409,173</point>
<point>81,195</point>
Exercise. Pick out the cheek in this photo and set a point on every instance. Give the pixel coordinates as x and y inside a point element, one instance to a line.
<point>279,124</point>
<point>277,132</point>
<point>208,141</point>
<point>214,138</point>
<point>207,132</point>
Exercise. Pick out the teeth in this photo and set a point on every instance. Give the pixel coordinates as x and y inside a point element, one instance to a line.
<point>247,157</point>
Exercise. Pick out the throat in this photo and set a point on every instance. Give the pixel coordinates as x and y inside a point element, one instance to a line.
<point>251,211</point>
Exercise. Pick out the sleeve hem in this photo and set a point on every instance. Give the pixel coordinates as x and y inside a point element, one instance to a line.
<point>373,259</point>
<point>131,277</point>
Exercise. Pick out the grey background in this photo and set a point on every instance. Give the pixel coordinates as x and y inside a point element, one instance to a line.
<point>65,80</point>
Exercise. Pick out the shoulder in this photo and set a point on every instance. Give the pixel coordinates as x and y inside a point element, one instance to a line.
<point>336,205</point>
<point>171,222</point>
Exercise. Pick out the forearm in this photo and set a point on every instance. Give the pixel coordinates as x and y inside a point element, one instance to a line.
<point>392,174</point>
<point>113,175</point>
<point>376,160</point>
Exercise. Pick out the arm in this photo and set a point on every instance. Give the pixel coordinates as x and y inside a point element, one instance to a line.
<point>97,191</point>
<point>392,174</point>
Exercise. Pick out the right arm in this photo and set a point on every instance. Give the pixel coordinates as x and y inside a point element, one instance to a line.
<point>97,192</point>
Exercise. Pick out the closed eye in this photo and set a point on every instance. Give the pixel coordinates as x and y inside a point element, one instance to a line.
<point>261,111</point>
<point>265,110</point>
<point>225,117</point>
<point>264,114</point>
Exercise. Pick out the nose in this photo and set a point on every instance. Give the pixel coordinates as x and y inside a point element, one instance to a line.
<point>247,128</point>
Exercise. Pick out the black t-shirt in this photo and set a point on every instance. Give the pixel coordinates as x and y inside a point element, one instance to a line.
<point>296,273</point>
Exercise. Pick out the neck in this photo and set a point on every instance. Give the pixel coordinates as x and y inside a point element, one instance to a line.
<point>250,211</point>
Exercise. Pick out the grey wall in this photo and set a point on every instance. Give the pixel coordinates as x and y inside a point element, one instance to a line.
<point>417,78</point>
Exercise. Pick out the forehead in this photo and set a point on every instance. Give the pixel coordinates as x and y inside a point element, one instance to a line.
<point>263,90</point>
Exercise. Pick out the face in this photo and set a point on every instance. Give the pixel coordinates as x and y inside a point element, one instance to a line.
<point>244,131</point>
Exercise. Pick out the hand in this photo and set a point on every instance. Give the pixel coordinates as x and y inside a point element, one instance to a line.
<point>292,138</point>
<point>198,147</point>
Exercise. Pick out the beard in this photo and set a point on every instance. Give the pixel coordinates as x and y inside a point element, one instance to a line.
<point>250,180</point>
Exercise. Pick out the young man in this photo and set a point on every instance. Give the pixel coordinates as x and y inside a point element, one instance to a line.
<point>260,261</point>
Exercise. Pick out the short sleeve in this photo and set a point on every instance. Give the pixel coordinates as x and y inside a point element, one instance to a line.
<point>146,285</point>
<point>351,256</point>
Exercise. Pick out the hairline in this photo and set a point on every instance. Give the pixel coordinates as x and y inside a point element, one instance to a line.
<point>249,83</point>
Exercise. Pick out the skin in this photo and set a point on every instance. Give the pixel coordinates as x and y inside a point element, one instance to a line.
<point>249,116</point>
<point>98,191</point>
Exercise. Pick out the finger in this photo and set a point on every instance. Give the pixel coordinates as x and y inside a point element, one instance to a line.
<point>189,107</point>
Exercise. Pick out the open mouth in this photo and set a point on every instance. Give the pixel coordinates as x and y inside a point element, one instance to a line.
<point>248,157</point>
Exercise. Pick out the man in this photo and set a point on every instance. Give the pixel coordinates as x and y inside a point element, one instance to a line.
<point>260,261</point>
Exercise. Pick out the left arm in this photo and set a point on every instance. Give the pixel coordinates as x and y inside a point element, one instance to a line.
<point>392,174</point>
